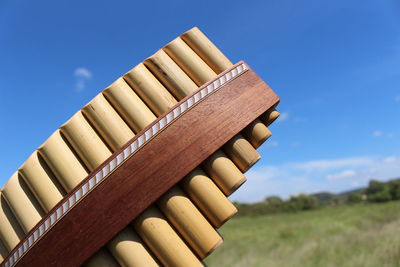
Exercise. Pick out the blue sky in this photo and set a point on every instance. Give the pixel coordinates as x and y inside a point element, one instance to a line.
<point>335,65</point>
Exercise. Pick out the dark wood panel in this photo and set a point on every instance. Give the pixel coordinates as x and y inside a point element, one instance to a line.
<point>154,169</point>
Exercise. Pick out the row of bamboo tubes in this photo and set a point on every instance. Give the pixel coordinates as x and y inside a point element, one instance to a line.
<point>178,230</point>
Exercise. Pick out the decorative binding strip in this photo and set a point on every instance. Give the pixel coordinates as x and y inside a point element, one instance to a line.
<point>116,160</point>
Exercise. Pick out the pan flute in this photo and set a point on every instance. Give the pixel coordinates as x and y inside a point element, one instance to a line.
<point>141,174</point>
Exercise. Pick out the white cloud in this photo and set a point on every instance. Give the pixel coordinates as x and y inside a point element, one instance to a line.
<point>327,165</point>
<point>82,75</point>
<point>333,175</point>
<point>295,144</point>
<point>341,175</point>
<point>300,119</point>
<point>272,143</point>
<point>377,133</point>
<point>283,117</point>
<point>83,72</point>
<point>391,159</point>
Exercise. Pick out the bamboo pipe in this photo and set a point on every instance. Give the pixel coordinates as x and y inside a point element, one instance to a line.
<point>208,198</point>
<point>153,94</point>
<point>106,121</point>
<point>10,231</point>
<point>219,167</point>
<point>102,258</point>
<point>208,52</point>
<point>41,181</point>
<point>3,252</point>
<point>60,158</point>
<point>170,74</point>
<point>232,175</point>
<point>189,62</point>
<point>241,152</point>
<point>201,73</point>
<point>129,105</point>
<point>270,116</point>
<point>256,132</point>
<point>128,249</point>
<point>184,215</point>
<point>267,119</point>
<point>22,202</point>
<point>110,127</point>
<point>85,141</point>
<point>161,238</point>
<point>189,222</point>
<point>149,89</point>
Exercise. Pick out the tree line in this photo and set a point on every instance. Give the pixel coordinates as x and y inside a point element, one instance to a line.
<point>376,191</point>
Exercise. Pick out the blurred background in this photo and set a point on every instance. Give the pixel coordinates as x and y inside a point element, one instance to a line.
<point>335,65</point>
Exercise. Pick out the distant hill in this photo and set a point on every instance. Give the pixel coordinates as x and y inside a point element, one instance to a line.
<point>354,191</point>
<point>326,198</point>
<point>376,191</point>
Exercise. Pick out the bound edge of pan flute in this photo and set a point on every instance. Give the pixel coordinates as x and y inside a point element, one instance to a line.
<point>140,176</point>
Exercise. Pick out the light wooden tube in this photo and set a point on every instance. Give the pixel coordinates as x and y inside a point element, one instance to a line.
<point>257,133</point>
<point>106,121</point>
<point>163,241</point>
<point>149,89</point>
<point>10,231</point>
<point>154,94</point>
<point>3,252</point>
<point>189,222</point>
<point>22,202</point>
<point>270,116</point>
<point>240,151</point>
<point>61,159</point>
<point>170,75</point>
<point>102,258</point>
<point>128,249</point>
<point>208,197</point>
<point>224,172</point>
<point>129,105</point>
<point>189,61</point>
<point>208,52</point>
<point>85,141</point>
<point>41,181</point>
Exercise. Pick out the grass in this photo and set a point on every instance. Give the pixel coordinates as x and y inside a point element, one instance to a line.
<point>346,235</point>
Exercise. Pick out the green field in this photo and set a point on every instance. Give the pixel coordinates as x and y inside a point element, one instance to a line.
<point>346,235</point>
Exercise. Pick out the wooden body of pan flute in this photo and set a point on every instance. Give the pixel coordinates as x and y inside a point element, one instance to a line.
<point>120,176</point>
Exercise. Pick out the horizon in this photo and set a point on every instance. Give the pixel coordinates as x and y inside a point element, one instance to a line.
<point>335,66</point>
<point>341,193</point>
